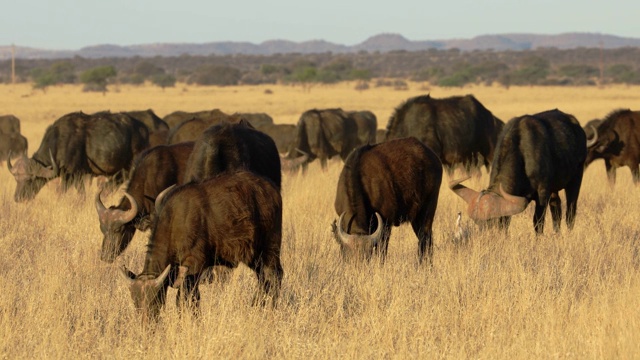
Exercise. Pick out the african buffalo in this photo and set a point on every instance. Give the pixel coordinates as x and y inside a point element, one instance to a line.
<point>178,117</point>
<point>226,147</point>
<point>76,145</point>
<point>536,157</point>
<point>154,170</point>
<point>459,129</point>
<point>9,124</point>
<point>158,129</point>
<point>12,145</point>
<point>383,185</point>
<point>367,124</point>
<point>324,134</point>
<point>232,218</point>
<point>189,130</point>
<point>617,141</point>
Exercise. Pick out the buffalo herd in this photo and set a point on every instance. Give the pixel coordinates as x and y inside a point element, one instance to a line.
<point>207,184</point>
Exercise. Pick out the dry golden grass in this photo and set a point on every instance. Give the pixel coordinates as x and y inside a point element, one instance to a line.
<point>567,295</point>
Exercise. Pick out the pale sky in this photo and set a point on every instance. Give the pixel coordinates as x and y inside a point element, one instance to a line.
<point>73,24</point>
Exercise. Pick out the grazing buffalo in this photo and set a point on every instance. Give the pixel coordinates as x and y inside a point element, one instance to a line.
<point>459,129</point>
<point>367,124</point>
<point>154,170</point>
<point>76,145</point>
<point>232,218</point>
<point>617,141</point>
<point>226,147</point>
<point>178,117</point>
<point>189,130</point>
<point>383,185</point>
<point>537,156</point>
<point>9,124</point>
<point>12,145</point>
<point>324,134</point>
<point>158,129</point>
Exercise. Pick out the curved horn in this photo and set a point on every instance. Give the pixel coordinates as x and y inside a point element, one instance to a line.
<point>491,205</point>
<point>375,237</point>
<point>100,208</point>
<point>343,236</point>
<point>157,282</point>
<point>161,196</point>
<point>594,139</point>
<point>116,214</point>
<point>48,172</point>
<point>464,192</point>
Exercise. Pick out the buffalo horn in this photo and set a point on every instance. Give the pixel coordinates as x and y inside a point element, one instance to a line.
<point>464,192</point>
<point>161,196</point>
<point>48,172</point>
<point>491,205</point>
<point>157,283</point>
<point>348,238</point>
<point>592,141</point>
<point>115,214</point>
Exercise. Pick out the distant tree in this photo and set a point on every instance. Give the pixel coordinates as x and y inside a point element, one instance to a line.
<point>164,80</point>
<point>622,73</point>
<point>533,71</point>
<point>215,75</point>
<point>305,76</point>
<point>61,72</point>
<point>147,69</point>
<point>96,79</point>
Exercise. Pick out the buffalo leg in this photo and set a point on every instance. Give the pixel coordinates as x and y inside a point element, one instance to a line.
<point>572,190</point>
<point>635,172</point>
<point>541,209</point>
<point>422,226</point>
<point>188,295</point>
<point>269,274</point>
<point>611,172</point>
<point>383,245</point>
<point>555,205</point>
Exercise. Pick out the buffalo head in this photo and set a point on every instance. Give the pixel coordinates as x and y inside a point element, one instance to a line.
<point>486,205</point>
<point>116,227</point>
<point>149,292</point>
<point>290,163</point>
<point>603,144</point>
<point>31,175</point>
<point>357,245</point>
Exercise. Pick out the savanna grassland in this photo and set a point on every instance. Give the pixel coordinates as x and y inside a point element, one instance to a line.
<point>499,296</point>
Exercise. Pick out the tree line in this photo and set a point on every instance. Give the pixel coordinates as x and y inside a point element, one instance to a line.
<point>454,68</point>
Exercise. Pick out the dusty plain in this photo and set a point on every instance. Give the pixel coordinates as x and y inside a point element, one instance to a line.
<point>500,296</point>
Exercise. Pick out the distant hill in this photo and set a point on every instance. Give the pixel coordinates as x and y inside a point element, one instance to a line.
<point>380,43</point>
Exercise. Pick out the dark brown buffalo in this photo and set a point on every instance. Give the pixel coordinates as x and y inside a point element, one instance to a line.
<point>367,124</point>
<point>154,170</point>
<point>323,134</point>
<point>13,145</point>
<point>158,129</point>
<point>228,147</point>
<point>617,141</point>
<point>257,120</point>
<point>189,130</point>
<point>9,124</point>
<point>459,129</point>
<point>233,218</point>
<point>385,185</point>
<point>77,145</point>
<point>178,117</point>
<point>537,156</point>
